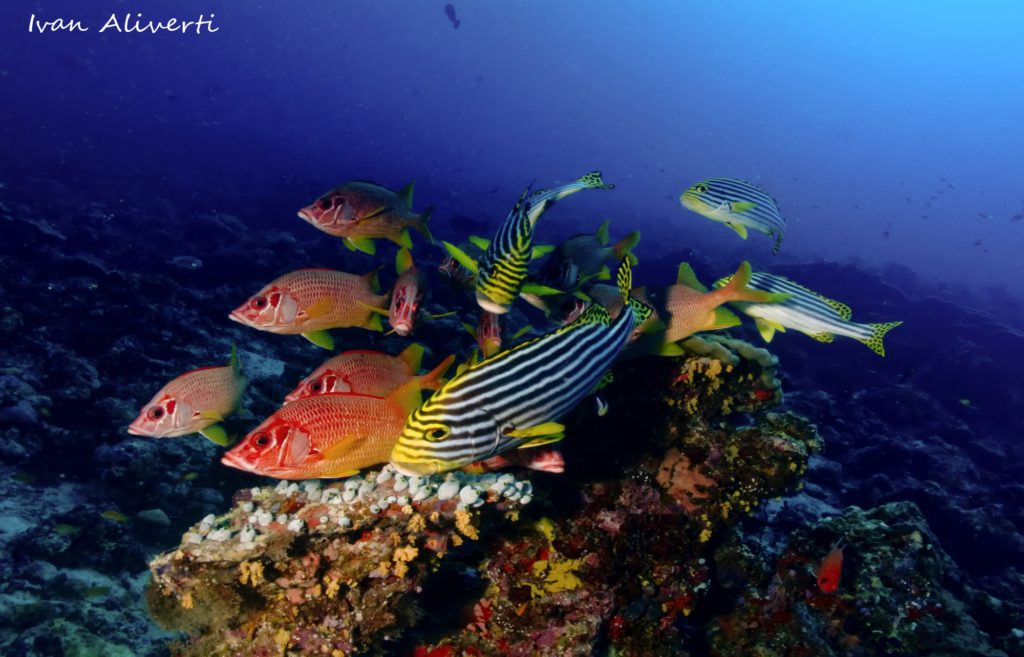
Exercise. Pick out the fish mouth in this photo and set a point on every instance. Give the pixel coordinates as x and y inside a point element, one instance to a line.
<point>305,215</point>
<point>237,316</point>
<point>135,431</point>
<point>234,461</point>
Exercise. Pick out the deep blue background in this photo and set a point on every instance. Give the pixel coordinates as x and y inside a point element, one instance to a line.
<point>860,118</point>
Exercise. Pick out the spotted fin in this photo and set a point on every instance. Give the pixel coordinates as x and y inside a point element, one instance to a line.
<point>841,308</point>
<point>823,337</point>
<point>878,332</point>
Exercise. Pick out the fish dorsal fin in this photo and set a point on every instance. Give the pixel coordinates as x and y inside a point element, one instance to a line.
<point>407,396</point>
<point>405,195</point>
<point>481,243</point>
<point>372,280</point>
<point>461,257</point>
<point>686,276</point>
<point>403,260</point>
<point>602,232</point>
<point>841,308</point>
<point>412,356</point>
<point>624,279</point>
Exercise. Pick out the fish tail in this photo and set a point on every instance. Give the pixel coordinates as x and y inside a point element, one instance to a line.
<point>738,288</point>
<point>593,180</point>
<point>434,379</point>
<point>624,247</point>
<point>878,331</point>
<point>421,224</point>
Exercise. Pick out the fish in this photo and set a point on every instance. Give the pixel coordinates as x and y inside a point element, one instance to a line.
<point>691,308</point>
<point>541,459</point>
<point>359,212</point>
<point>194,402</point>
<point>449,11</point>
<point>325,436</point>
<point>737,204</point>
<point>310,301</point>
<point>372,373</point>
<point>114,515</point>
<point>487,333</point>
<point>808,312</point>
<point>407,294</point>
<point>582,258</point>
<point>830,570</point>
<point>514,398</point>
<point>501,272</point>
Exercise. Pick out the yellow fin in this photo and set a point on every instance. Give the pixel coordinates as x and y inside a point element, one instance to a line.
<point>374,323</point>
<point>521,332</point>
<point>215,433</point>
<point>440,315</point>
<point>212,415</point>
<point>461,257</point>
<point>742,206</point>
<point>544,440</point>
<point>404,239</point>
<point>539,290</point>
<point>822,337</point>
<point>348,244</point>
<point>841,308</point>
<point>434,379</point>
<point>540,251</point>
<point>469,328</point>
<point>320,339</point>
<point>602,232</point>
<point>403,260</point>
<point>479,242</point>
<point>412,356</point>
<point>364,244</point>
<point>686,276</point>
<point>669,349</point>
<point>320,308</point>
<point>878,331</point>
<point>407,396</point>
<point>765,328</point>
<point>545,429</point>
<point>740,229</point>
<point>372,280</point>
<point>383,312</point>
<point>724,318</point>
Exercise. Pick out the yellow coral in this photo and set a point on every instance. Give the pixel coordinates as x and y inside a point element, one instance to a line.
<point>456,540</point>
<point>282,639</point>
<point>251,572</point>
<point>402,557</point>
<point>417,524</point>
<point>558,576</point>
<point>464,523</point>
<point>186,600</point>
<point>705,535</point>
<point>333,584</point>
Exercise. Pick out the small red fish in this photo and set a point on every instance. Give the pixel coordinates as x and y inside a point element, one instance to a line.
<point>194,402</point>
<point>360,212</point>
<point>831,570</point>
<point>407,295</point>
<point>310,301</point>
<point>372,373</point>
<point>326,436</point>
<point>487,333</point>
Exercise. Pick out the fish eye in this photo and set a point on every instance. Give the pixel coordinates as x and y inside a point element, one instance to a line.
<point>436,432</point>
<point>316,386</point>
<point>261,440</point>
<point>325,203</point>
<point>258,303</point>
<point>702,188</point>
<point>155,413</point>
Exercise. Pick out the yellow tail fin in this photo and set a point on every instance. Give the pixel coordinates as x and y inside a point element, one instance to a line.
<point>737,289</point>
<point>878,331</point>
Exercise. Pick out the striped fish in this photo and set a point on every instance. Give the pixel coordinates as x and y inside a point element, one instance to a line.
<point>513,399</point>
<point>501,273</point>
<point>737,204</point>
<point>808,312</point>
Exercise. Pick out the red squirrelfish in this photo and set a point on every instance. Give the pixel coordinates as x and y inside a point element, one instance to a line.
<point>310,301</point>
<point>326,436</point>
<point>541,459</point>
<point>360,211</point>
<point>831,570</point>
<point>691,308</point>
<point>407,295</point>
<point>194,402</point>
<point>487,333</point>
<point>372,373</point>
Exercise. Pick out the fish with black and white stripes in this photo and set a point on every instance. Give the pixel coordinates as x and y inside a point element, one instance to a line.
<point>501,272</point>
<point>737,204</point>
<point>514,398</point>
<point>807,311</point>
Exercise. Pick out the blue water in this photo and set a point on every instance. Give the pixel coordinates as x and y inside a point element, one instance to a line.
<point>890,134</point>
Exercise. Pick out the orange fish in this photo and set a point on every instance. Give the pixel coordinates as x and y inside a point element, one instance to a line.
<point>360,211</point>
<point>831,570</point>
<point>326,436</point>
<point>310,301</point>
<point>194,402</point>
<point>691,308</point>
<point>372,373</point>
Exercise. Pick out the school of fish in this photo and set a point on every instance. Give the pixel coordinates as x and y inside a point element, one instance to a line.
<point>505,404</point>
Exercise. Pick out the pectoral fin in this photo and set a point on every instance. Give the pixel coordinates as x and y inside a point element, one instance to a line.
<point>540,431</point>
<point>216,434</point>
<point>320,339</point>
<point>461,257</point>
<point>212,415</point>
<point>740,229</point>
<point>540,290</point>
<point>742,206</point>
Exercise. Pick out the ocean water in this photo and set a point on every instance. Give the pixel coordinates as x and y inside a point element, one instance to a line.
<point>150,184</point>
